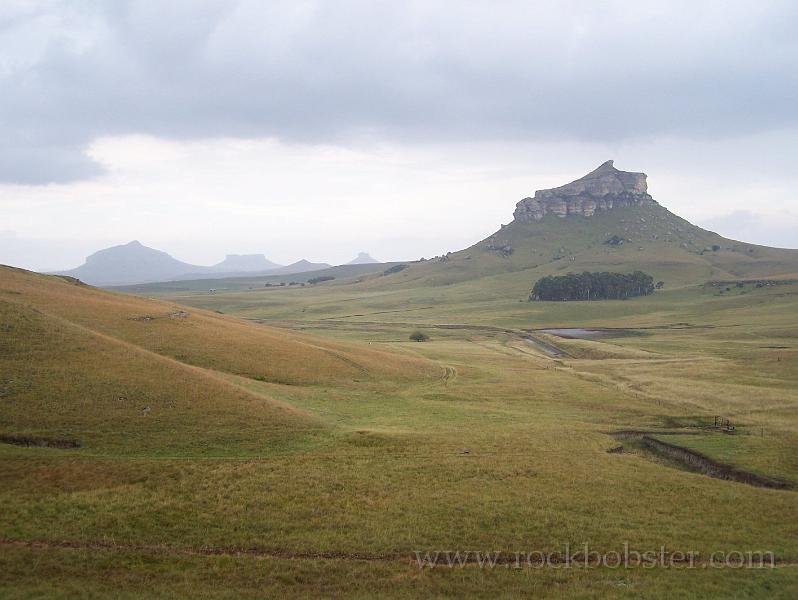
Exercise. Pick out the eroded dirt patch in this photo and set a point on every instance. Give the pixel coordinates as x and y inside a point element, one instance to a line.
<point>696,461</point>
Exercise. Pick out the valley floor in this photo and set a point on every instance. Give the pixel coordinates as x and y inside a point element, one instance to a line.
<point>496,445</point>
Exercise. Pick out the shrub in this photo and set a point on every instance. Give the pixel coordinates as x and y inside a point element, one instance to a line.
<point>615,240</point>
<point>394,269</point>
<point>419,336</point>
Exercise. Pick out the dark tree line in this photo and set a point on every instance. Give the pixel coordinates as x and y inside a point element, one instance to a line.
<point>593,286</point>
<point>320,279</point>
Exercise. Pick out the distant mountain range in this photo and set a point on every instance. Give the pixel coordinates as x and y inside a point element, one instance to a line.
<point>134,262</point>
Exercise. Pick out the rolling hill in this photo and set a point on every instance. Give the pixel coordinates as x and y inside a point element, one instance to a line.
<point>255,280</point>
<point>87,364</point>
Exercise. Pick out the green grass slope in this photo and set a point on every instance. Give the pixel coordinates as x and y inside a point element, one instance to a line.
<point>201,338</point>
<point>123,374</point>
<point>62,381</point>
<point>224,458</point>
<point>253,281</point>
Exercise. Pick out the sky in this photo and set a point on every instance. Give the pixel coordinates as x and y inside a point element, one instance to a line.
<point>313,129</point>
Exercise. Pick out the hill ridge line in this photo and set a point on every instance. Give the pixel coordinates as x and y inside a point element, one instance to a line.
<point>201,371</point>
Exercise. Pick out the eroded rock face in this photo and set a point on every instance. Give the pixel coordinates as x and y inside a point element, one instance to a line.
<point>602,189</point>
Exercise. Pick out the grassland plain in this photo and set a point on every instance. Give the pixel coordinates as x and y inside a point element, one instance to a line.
<point>224,458</point>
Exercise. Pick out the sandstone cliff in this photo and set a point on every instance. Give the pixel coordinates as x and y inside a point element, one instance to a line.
<point>602,189</point>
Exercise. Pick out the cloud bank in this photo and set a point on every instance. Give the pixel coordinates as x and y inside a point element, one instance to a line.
<point>333,72</point>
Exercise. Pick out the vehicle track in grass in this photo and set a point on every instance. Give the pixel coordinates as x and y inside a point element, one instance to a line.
<point>528,336</point>
<point>449,375</point>
<point>452,559</point>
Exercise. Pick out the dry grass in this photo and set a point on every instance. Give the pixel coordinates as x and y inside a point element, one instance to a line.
<point>470,441</point>
<point>200,337</point>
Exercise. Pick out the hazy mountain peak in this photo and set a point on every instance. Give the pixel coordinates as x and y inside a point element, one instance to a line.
<point>245,262</point>
<point>129,263</point>
<point>362,258</point>
<point>134,250</point>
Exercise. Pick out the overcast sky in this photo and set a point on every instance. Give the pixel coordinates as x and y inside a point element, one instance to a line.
<point>315,130</point>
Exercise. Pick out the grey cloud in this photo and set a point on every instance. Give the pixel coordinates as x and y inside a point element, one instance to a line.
<point>25,164</point>
<point>334,71</point>
<point>769,230</point>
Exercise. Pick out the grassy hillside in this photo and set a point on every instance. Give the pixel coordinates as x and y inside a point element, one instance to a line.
<point>62,381</point>
<point>249,282</point>
<point>651,239</point>
<point>199,338</point>
<point>124,374</point>
<point>235,459</point>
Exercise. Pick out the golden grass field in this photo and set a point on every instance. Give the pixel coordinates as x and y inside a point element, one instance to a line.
<point>299,445</point>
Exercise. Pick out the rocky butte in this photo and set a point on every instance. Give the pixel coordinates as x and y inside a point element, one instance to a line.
<point>603,189</point>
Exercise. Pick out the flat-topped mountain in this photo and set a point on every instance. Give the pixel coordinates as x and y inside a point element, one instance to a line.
<point>603,189</point>
<point>300,266</point>
<point>244,263</point>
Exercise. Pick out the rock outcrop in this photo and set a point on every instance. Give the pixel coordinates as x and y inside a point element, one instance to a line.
<point>603,189</point>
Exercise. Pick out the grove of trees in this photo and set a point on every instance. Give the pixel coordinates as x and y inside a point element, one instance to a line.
<point>593,286</point>
<point>319,279</point>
